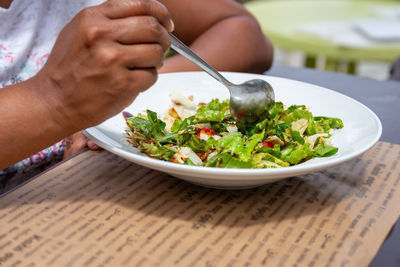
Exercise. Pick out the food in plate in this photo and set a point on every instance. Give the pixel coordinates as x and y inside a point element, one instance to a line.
<point>205,134</point>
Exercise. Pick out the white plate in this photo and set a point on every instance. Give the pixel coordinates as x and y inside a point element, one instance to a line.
<point>362,128</point>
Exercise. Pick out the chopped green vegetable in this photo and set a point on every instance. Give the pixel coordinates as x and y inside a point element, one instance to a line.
<point>288,136</point>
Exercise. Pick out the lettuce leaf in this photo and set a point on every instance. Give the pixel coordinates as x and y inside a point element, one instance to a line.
<point>160,152</point>
<point>226,160</point>
<point>294,154</point>
<point>214,111</point>
<point>334,123</point>
<point>325,150</point>
<point>266,160</point>
<point>232,144</point>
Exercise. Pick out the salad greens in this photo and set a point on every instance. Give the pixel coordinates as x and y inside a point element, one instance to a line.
<point>211,138</point>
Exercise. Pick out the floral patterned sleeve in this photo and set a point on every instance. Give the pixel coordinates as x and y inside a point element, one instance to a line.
<point>29,167</point>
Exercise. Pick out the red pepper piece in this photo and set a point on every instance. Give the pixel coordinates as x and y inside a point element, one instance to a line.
<point>206,131</point>
<point>267,144</point>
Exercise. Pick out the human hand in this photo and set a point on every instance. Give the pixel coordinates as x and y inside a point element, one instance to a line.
<point>77,142</point>
<point>102,59</point>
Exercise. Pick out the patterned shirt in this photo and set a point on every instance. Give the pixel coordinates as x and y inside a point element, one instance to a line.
<point>27,34</point>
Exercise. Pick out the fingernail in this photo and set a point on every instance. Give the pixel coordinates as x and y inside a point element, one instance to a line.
<point>172,25</point>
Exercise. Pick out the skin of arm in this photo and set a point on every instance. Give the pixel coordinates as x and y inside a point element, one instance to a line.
<point>5,3</point>
<point>27,124</point>
<point>222,32</point>
<point>100,61</point>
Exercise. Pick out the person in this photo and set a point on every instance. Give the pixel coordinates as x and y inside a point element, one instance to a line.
<point>69,65</point>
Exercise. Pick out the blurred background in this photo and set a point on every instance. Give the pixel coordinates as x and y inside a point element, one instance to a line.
<point>358,37</point>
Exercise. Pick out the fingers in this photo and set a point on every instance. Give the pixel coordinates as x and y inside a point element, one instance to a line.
<point>93,146</point>
<point>102,59</point>
<point>74,144</point>
<point>128,31</point>
<point>138,80</point>
<point>141,56</point>
<point>142,29</point>
<point>149,75</point>
<point>131,57</point>
<point>116,9</point>
<point>77,142</point>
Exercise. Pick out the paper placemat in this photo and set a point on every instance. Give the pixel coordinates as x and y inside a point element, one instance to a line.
<point>99,210</point>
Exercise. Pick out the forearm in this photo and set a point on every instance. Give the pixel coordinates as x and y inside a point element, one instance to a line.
<point>100,61</point>
<point>233,44</point>
<point>26,123</point>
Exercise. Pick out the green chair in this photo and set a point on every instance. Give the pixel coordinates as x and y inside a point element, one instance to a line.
<point>280,20</point>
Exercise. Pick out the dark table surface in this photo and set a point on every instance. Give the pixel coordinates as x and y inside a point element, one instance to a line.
<point>383,98</point>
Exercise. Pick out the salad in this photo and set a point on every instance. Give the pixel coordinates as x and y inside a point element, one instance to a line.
<point>207,135</point>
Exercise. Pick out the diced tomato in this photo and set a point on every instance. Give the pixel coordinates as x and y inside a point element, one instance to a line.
<point>206,131</point>
<point>267,144</point>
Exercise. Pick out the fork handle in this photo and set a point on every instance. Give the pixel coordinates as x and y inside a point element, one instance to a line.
<point>185,51</point>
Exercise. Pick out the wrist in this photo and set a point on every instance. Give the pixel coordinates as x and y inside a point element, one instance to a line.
<point>28,123</point>
<point>48,95</point>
